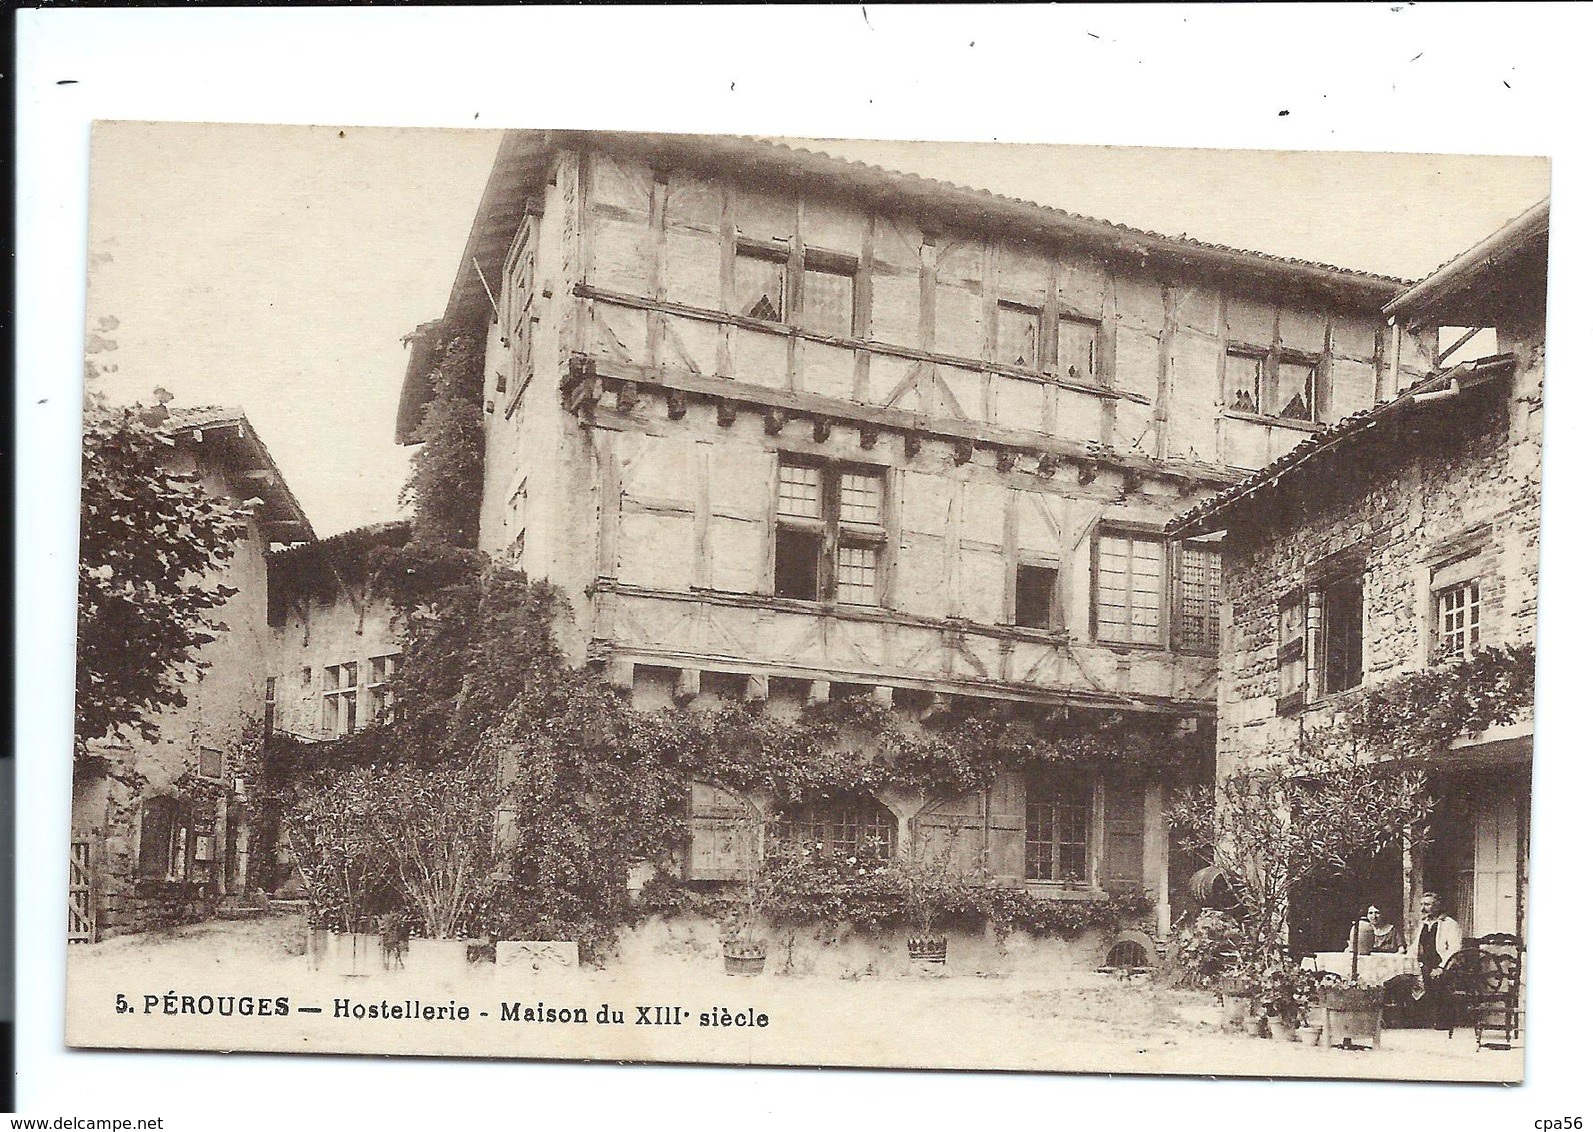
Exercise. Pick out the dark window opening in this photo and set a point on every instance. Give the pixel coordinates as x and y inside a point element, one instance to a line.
<point>1341,635</point>
<point>1036,585</point>
<point>796,563</point>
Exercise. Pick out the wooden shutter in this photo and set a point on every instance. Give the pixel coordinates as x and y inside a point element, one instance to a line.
<point>1004,856</point>
<point>1123,851</point>
<point>957,826</point>
<point>724,834</point>
<point>1291,651</point>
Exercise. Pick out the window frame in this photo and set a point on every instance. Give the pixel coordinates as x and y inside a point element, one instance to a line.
<point>1328,629</point>
<point>1037,339</point>
<point>1040,793</point>
<point>1210,643</point>
<point>796,262</point>
<point>1132,534</point>
<point>834,533</point>
<point>1092,371</point>
<point>1053,614</point>
<point>340,698</point>
<point>1264,387</point>
<point>169,846</point>
<point>812,822</point>
<point>378,692</point>
<point>1471,627</point>
<point>1312,646</point>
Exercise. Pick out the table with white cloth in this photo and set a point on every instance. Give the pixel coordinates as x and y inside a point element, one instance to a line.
<point>1373,969</point>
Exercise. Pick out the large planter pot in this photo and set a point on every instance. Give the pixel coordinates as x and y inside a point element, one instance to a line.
<point>927,951</point>
<point>745,957</point>
<point>1281,1031</point>
<point>1352,1012</point>
<point>1236,1008</point>
<point>348,953</point>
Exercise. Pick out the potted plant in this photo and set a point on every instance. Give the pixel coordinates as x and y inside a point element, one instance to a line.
<point>927,880</point>
<point>1285,997</point>
<point>1351,1010</point>
<point>745,951</point>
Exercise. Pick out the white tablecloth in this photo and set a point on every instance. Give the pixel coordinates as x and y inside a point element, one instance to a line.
<point>1377,967</point>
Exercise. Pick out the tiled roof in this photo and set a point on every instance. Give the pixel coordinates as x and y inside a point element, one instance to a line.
<point>1050,210</point>
<point>282,507</point>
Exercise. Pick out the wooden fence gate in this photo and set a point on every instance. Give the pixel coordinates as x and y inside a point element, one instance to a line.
<point>80,896</point>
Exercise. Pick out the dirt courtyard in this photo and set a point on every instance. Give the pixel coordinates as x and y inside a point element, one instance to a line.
<point>174,984</point>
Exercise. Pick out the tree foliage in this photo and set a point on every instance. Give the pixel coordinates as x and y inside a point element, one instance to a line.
<point>152,550</point>
<point>444,485</point>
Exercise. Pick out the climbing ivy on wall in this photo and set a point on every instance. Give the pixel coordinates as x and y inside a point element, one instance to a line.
<point>594,785</point>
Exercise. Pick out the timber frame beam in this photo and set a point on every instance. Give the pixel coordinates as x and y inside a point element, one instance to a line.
<point>588,376</point>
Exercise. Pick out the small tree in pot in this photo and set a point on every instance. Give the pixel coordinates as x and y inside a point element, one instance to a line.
<point>929,880</point>
<point>745,949</point>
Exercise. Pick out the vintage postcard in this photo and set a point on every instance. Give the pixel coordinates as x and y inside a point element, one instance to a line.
<point>559,594</point>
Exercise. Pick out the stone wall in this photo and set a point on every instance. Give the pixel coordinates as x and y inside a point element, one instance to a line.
<point>1456,482</point>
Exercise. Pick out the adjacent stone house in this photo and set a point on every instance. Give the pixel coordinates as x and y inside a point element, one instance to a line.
<point>161,831</point>
<point>785,427</point>
<point>1403,537</point>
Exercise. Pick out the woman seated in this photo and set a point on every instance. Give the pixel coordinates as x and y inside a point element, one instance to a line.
<point>1376,935</point>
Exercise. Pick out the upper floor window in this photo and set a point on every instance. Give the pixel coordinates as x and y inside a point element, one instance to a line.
<point>1076,340</point>
<point>1459,620</point>
<point>1199,587</point>
<point>828,293</point>
<point>1273,383</point>
<point>830,533</point>
<point>1129,584</point>
<point>1018,335</point>
<point>378,689</point>
<point>340,698</point>
<point>1319,642</point>
<point>1340,604</point>
<point>825,300</point>
<point>1035,597</point>
<point>760,281</point>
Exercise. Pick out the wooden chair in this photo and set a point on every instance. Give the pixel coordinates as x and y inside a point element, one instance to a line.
<point>1481,985</point>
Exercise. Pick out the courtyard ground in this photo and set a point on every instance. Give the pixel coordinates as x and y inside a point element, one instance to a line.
<point>1058,1020</point>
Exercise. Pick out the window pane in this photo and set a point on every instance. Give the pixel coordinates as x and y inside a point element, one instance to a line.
<point>861,495</point>
<point>1459,619</point>
<point>800,492</point>
<point>1145,594</point>
<point>1035,587</point>
<point>796,564</point>
<point>1075,348</point>
<point>1111,597</point>
<point>1199,580</point>
<point>854,575</point>
<point>760,286</point>
<point>1018,336</point>
<point>1057,829</point>
<point>1296,398</point>
<point>1244,383</point>
<point>827,303</point>
<point>841,827</point>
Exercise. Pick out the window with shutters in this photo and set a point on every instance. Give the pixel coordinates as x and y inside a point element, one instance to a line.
<point>1291,652</point>
<point>1059,809</point>
<point>846,827</point>
<point>1130,588</point>
<point>1340,635</point>
<point>1197,603</point>
<point>830,532</point>
<point>1319,641</point>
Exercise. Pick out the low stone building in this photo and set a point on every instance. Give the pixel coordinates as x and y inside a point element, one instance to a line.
<point>161,830</point>
<point>1401,540</point>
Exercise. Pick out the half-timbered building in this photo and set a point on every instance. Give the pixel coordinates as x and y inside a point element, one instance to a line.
<point>785,427</point>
